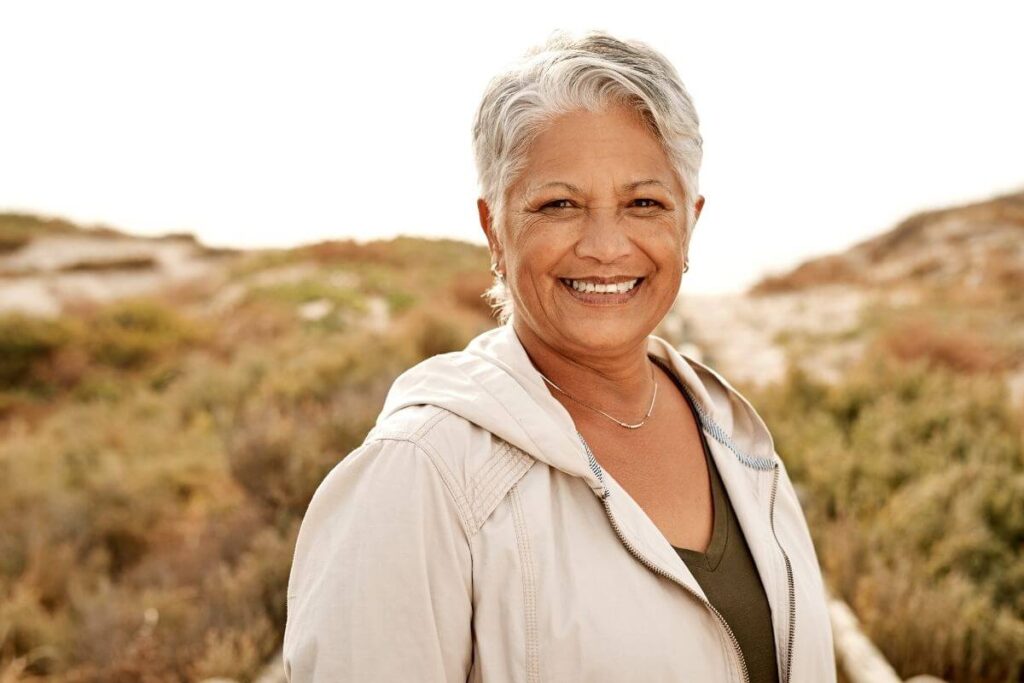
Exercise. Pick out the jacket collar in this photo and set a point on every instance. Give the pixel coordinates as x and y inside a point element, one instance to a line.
<point>494,384</point>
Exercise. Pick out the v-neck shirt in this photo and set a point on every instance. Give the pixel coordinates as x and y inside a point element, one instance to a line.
<point>727,573</point>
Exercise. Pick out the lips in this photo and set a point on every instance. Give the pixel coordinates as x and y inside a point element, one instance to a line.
<point>612,286</point>
<point>590,295</point>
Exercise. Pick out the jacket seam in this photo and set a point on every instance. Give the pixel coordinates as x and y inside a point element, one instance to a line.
<point>382,431</point>
<point>709,425</point>
<point>432,422</point>
<point>496,459</point>
<point>505,462</point>
<point>458,496</point>
<point>712,427</point>
<point>508,480</point>
<point>532,644</point>
<point>510,463</point>
<point>503,468</point>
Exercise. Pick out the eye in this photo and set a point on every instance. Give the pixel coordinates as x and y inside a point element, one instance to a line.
<point>653,203</point>
<point>555,204</point>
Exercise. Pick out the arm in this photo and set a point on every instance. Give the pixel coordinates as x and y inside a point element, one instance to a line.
<point>381,583</point>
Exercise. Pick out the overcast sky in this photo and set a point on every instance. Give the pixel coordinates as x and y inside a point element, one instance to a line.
<point>274,124</point>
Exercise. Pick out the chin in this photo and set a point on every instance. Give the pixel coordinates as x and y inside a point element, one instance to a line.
<point>607,334</point>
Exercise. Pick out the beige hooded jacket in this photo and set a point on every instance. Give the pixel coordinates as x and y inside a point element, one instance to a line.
<point>473,537</point>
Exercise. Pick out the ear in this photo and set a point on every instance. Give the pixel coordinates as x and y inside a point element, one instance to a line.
<point>698,206</point>
<point>487,224</point>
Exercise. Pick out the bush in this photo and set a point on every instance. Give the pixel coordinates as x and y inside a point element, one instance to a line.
<point>957,349</point>
<point>914,483</point>
<point>26,344</point>
<point>150,513</point>
<point>132,332</point>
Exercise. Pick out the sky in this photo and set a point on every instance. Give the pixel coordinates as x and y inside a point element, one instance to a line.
<point>256,124</point>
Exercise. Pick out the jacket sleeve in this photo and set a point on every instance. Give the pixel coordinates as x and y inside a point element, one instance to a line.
<point>380,587</point>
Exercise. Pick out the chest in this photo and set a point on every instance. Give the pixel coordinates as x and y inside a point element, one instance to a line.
<point>553,580</point>
<point>664,469</point>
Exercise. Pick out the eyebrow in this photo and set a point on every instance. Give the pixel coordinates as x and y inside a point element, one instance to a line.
<point>627,187</point>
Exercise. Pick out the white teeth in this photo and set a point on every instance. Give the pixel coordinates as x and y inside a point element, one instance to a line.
<point>620,288</point>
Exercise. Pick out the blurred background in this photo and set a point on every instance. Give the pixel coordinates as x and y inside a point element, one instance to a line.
<point>226,228</point>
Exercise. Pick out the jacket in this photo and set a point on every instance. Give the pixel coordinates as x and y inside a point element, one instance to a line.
<point>473,536</point>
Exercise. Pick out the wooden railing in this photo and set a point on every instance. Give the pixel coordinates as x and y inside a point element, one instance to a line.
<point>857,658</point>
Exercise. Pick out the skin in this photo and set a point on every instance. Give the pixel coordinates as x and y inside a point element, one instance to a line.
<point>577,211</point>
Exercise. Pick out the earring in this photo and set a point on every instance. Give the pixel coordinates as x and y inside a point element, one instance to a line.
<point>497,274</point>
<point>686,265</point>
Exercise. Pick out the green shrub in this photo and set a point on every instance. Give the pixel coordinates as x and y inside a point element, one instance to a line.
<point>132,332</point>
<point>27,342</point>
<point>150,510</point>
<point>914,481</point>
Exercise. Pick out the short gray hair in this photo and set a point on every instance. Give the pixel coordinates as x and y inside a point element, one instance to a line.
<point>568,73</point>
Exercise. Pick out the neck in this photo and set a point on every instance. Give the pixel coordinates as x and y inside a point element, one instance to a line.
<point>617,382</point>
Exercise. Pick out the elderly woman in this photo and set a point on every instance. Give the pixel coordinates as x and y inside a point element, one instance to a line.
<point>569,498</point>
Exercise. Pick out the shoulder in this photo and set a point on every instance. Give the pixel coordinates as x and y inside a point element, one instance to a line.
<point>475,466</point>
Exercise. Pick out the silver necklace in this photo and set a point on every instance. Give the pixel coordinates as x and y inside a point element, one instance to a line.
<point>619,422</point>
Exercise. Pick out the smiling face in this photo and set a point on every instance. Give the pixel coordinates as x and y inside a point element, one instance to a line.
<point>597,202</point>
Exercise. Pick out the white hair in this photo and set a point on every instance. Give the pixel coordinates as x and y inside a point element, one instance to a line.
<point>568,73</point>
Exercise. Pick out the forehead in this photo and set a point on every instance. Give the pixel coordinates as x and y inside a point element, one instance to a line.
<point>584,148</point>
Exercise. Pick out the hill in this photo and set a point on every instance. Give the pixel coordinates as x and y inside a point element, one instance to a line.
<point>946,284</point>
<point>975,250</point>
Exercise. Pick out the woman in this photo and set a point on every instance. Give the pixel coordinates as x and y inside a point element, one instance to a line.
<point>544,505</point>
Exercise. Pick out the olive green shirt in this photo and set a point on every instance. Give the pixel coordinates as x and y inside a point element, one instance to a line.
<point>727,574</point>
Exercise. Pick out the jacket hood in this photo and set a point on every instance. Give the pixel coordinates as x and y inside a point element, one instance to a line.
<point>494,384</point>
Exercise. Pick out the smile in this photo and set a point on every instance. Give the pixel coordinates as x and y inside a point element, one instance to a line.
<point>597,293</point>
<point>610,288</point>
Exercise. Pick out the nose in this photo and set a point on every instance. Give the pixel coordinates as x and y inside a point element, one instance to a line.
<point>603,236</point>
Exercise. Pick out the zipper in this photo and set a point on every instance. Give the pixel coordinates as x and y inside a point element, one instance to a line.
<point>707,422</point>
<point>789,577</point>
<point>596,468</point>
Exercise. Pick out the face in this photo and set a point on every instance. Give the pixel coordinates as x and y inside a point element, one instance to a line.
<point>598,202</point>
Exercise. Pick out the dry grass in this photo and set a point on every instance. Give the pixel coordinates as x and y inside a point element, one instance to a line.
<point>155,463</point>
<point>913,479</point>
<point>823,271</point>
<point>957,349</point>
<point>126,263</point>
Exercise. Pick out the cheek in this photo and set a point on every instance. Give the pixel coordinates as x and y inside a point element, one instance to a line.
<point>538,253</point>
<point>665,248</point>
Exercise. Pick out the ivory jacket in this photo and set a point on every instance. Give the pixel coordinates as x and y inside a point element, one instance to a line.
<point>473,537</point>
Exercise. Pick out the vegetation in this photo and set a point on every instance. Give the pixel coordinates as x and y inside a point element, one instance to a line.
<point>157,454</point>
<point>911,471</point>
<point>155,461</point>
